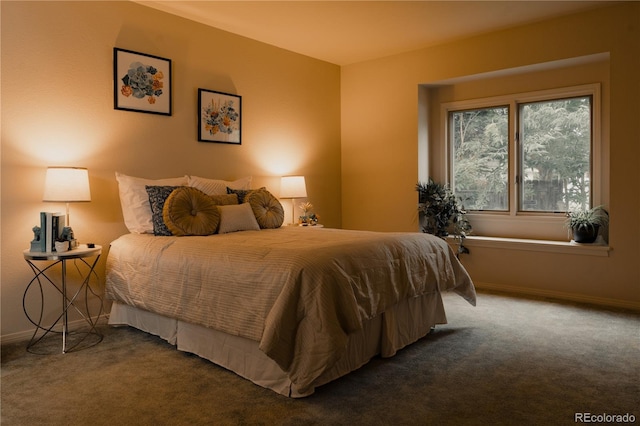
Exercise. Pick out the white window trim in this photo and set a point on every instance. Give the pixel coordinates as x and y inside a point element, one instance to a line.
<point>536,225</point>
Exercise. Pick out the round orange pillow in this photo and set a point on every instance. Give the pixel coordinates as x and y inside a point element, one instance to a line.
<point>189,211</point>
<point>266,208</point>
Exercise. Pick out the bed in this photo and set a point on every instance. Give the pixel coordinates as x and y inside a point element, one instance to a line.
<point>289,308</point>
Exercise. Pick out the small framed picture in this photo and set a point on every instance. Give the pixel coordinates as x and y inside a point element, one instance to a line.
<point>142,82</point>
<point>220,117</point>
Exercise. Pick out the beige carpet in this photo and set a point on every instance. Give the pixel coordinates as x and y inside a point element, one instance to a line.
<point>507,361</point>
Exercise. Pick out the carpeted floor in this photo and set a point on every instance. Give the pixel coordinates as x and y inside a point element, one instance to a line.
<point>508,361</point>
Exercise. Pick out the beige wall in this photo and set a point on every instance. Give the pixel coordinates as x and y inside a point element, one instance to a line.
<point>383,119</point>
<point>57,109</point>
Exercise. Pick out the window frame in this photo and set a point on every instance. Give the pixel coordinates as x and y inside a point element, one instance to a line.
<point>515,223</point>
<point>451,154</point>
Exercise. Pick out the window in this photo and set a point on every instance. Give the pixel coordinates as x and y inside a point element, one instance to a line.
<point>525,154</point>
<point>480,144</point>
<point>555,151</point>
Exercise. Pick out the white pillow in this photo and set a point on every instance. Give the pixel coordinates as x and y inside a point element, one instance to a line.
<point>134,200</point>
<point>217,186</point>
<point>237,217</point>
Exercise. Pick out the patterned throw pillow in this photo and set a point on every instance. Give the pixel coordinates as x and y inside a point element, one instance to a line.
<point>134,200</point>
<point>157,198</point>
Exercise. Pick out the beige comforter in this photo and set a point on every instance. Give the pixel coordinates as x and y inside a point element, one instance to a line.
<point>298,292</point>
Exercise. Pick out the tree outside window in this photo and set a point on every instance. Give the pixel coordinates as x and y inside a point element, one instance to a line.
<point>480,141</point>
<point>552,147</point>
<point>556,155</point>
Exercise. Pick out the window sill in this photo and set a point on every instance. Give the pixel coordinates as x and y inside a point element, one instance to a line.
<point>548,246</point>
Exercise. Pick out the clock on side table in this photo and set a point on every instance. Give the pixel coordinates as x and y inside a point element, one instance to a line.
<point>44,277</point>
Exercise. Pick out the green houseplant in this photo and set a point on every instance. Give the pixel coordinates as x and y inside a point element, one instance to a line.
<point>440,213</point>
<point>585,224</point>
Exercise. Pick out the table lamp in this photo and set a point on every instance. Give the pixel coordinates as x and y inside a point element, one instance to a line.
<point>67,185</point>
<point>293,187</point>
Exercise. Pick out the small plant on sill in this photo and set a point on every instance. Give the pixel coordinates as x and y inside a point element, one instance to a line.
<point>585,224</point>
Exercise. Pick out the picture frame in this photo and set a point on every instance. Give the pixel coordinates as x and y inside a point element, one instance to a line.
<point>220,117</point>
<point>141,82</point>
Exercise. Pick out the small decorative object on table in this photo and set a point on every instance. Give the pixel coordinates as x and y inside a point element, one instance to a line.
<point>35,243</point>
<point>58,241</point>
<point>308,218</point>
<point>61,246</point>
<point>67,235</point>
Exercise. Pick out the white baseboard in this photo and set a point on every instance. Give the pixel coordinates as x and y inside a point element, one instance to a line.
<point>572,297</point>
<point>25,336</point>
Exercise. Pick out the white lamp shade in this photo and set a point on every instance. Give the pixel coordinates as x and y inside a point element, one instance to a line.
<point>67,184</point>
<point>293,187</point>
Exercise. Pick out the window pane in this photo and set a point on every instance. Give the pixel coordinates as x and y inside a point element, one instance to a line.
<point>480,141</point>
<point>556,151</point>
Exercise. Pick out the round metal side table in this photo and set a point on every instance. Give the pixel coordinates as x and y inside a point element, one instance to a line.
<point>43,274</point>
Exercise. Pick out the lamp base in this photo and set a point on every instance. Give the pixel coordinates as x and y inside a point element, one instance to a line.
<point>293,212</point>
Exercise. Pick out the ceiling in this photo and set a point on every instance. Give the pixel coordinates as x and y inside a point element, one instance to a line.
<point>347,32</point>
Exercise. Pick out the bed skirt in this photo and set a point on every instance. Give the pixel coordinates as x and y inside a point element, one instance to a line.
<point>401,325</point>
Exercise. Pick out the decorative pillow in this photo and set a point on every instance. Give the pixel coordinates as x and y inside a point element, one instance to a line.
<point>189,211</point>
<point>241,193</point>
<point>134,200</point>
<point>224,199</point>
<point>237,217</point>
<point>266,208</point>
<point>157,197</point>
<point>216,186</point>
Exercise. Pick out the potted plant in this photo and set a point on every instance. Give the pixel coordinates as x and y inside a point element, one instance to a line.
<point>585,224</point>
<point>441,214</point>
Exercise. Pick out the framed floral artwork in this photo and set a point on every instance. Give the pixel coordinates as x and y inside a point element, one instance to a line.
<point>220,117</point>
<point>142,82</point>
